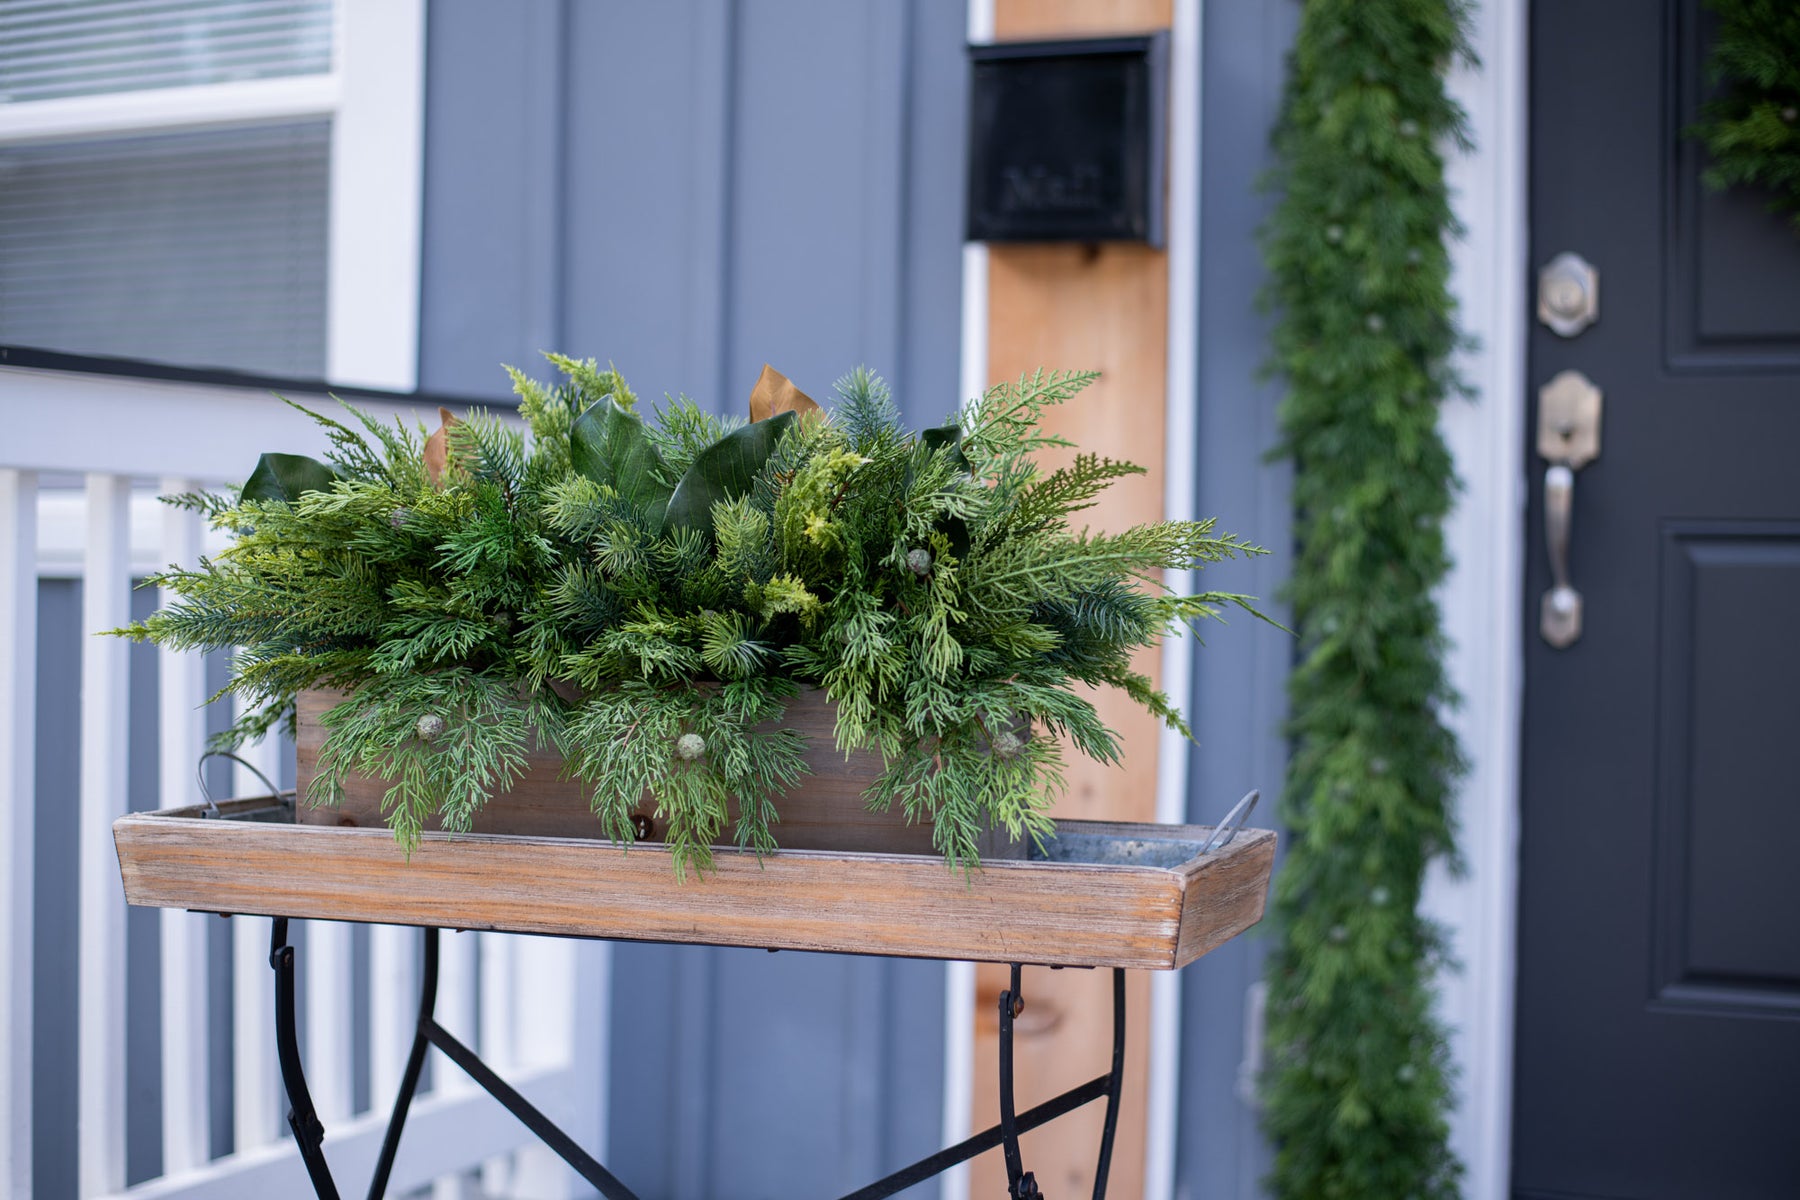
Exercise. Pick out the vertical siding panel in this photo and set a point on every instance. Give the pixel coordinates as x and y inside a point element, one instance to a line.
<point>711,150</point>
<point>491,233</point>
<point>18,817</point>
<point>799,288</point>
<point>645,171</point>
<point>56,1017</point>
<point>1239,687</point>
<point>181,691</point>
<point>932,180</point>
<point>106,595</point>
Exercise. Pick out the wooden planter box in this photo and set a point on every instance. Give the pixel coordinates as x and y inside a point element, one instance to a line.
<point>1103,895</point>
<point>825,811</point>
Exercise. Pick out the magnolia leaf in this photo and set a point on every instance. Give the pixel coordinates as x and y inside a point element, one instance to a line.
<point>437,447</point>
<point>724,471</point>
<point>285,476</point>
<point>946,436</point>
<point>775,393</point>
<point>608,445</point>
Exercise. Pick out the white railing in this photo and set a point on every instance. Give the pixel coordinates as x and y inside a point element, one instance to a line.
<point>81,459</point>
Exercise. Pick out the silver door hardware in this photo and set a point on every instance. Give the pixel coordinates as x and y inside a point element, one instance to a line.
<point>1569,438</point>
<point>1560,616</point>
<point>1569,420</point>
<point>1568,294</point>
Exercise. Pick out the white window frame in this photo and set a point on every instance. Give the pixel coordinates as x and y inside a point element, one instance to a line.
<point>374,96</point>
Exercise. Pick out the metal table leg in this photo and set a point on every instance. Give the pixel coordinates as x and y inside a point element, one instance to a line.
<point>1020,1183</point>
<point>309,1131</point>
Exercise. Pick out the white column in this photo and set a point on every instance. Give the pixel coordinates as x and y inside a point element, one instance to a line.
<point>105,604</point>
<point>18,799</point>
<point>181,691</point>
<point>258,1118</point>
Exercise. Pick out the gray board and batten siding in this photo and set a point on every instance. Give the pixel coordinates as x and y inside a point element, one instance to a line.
<point>692,189</point>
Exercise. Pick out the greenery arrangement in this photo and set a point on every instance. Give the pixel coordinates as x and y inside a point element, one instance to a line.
<point>644,597</point>
<point>1357,1089</point>
<point>1752,128</point>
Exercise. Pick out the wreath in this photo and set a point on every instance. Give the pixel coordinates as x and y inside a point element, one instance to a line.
<point>1751,128</point>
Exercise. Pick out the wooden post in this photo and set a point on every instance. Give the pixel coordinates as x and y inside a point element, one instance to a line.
<point>1102,307</point>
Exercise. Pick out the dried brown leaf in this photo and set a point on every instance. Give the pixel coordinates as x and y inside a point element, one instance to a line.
<point>776,393</point>
<point>437,447</point>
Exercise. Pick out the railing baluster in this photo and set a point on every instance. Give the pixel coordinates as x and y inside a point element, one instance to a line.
<point>330,1049</point>
<point>181,691</point>
<point>258,1117</point>
<point>543,1027</point>
<point>18,824</point>
<point>105,604</point>
<point>456,1007</point>
<point>497,1025</point>
<point>393,1008</point>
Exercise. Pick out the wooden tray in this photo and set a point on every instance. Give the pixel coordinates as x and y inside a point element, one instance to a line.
<point>1105,895</point>
<point>825,811</point>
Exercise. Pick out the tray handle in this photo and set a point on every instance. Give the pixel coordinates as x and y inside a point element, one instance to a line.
<point>1234,820</point>
<point>212,809</point>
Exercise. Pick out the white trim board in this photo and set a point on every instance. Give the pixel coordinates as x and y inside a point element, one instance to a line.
<point>959,977</point>
<point>1180,453</point>
<point>1482,598</point>
<point>377,194</point>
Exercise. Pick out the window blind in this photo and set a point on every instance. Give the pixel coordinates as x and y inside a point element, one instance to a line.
<point>202,249</point>
<point>57,48</point>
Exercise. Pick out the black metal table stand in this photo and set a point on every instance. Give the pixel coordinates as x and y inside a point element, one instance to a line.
<point>309,1131</point>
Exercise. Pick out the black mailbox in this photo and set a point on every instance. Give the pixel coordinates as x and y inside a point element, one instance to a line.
<point>1066,140</point>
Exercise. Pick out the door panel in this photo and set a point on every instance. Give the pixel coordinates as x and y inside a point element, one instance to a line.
<point>1659,925</point>
<point>1727,930</point>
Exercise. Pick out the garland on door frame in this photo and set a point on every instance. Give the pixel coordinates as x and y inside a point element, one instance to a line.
<point>1358,1087</point>
<point>1752,128</point>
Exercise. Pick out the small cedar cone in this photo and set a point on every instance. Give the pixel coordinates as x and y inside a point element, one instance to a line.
<point>430,727</point>
<point>919,561</point>
<point>1007,744</point>
<point>689,746</point>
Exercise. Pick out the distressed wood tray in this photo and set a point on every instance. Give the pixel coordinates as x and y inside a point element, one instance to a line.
<point>824,811</point>
<point>1103,895</point>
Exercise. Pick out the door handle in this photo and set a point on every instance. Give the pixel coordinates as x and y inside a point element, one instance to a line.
<point>1569,437</point>
<point>1561,617</point>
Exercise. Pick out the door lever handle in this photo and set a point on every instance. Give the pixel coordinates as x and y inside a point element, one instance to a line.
<point>1561,617</point>
<point>1569,439</point>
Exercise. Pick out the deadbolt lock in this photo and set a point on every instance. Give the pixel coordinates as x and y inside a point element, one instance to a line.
<point>1568,294</point>
<point>1569,420</point>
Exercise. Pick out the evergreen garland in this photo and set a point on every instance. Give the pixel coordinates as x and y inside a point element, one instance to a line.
<point>1358,1083</point>
<point>643,597</point>
<point>1752,128</point>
